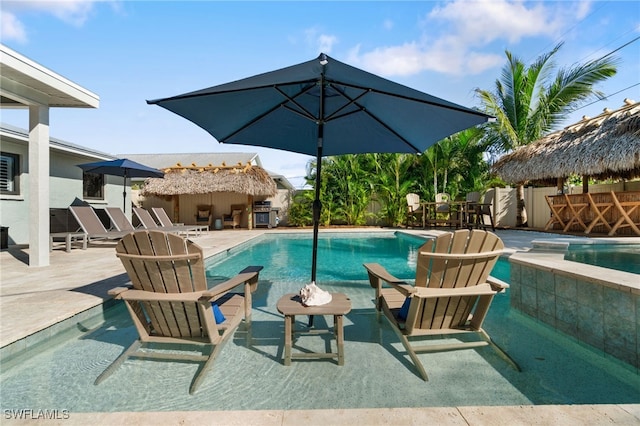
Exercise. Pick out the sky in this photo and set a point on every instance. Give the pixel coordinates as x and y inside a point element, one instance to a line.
<point>128,52</point>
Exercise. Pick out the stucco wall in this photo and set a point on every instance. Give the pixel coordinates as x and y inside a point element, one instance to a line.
<point>65,186</point>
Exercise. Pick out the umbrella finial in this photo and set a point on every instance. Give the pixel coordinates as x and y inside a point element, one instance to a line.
<point>323,59</point>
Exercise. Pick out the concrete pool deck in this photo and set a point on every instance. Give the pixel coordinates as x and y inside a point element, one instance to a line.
<point>36,299</point>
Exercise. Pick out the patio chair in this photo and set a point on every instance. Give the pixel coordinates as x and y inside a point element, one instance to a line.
<point>478,210</point>
<point>204,214</point>
<point>469,208</point>
<point>415,211</point>
<point>147,222</point>
<point>92,226</point>
<point>119,220</point>
<point>170,304</point>
<point>234,218</point>
<point>452,293</point>
<point>440,210</point>
<point>165,221</point>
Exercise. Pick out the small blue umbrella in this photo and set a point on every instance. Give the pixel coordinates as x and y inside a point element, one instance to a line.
<point>121,167</point>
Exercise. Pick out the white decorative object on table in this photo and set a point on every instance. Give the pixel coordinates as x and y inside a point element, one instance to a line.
<point>312,295</point>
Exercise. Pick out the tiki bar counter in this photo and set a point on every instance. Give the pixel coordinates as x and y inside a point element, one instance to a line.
<point>611,213</point>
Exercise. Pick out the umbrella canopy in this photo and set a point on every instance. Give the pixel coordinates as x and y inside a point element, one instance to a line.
<point>322,107</point>
<point>249,179</point>
<point>606,146</point>
<point>121,167</point>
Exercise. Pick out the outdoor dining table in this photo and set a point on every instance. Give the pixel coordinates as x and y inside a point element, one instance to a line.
<point>455,212</point>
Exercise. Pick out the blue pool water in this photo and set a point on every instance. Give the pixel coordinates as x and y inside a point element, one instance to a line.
<point>622,257</point>
<point>249,373</point>
<point>340,258</point>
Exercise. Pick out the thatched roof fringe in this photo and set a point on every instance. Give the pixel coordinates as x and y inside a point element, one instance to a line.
<point>606,146</point>
<point>252,180</point>
<point>208,168</point>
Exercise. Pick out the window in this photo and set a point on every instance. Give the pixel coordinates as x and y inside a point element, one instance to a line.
<point>9,173</point>
<point>92,186</point>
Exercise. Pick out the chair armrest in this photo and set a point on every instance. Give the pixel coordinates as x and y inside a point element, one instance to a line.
<point>498,285</point>
<point>152,296</point>
<point>377,274</point>
<point>433,293</point>
<point>115,292</point>
<point>248,276</point>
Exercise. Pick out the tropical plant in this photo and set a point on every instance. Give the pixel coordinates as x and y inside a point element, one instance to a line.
<point>392,184</point>
<point>349,186</point>
<point>301,209</point>
<point>529,101</point>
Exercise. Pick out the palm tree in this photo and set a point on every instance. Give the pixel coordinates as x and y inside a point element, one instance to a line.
<point>529,102</point>
<point>392,184</point>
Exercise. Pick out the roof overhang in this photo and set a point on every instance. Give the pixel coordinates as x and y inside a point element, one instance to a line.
<point>24,83</point>
<point>21,136</point>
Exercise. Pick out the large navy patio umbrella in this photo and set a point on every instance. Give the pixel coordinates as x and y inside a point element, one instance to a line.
<point>322,107</point>
<point>121,167</point>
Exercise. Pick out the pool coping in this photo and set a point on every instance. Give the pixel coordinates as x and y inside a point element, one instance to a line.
<point>605,414</point>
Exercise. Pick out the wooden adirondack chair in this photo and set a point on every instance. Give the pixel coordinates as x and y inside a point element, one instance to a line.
<point>170,303</point>
<point>415,211</point>
<point>452,293</point>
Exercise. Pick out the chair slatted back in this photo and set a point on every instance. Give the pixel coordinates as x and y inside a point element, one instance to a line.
<point>165,263</point>
<point>88,219</point>
<point>413,201</point>
<point>162,216</point>
<point>145,218</point>
<point>119,219</point>
<point>487,202</point>
<point>481,250</point>
<point>472,197</point>
<point>443,201</point>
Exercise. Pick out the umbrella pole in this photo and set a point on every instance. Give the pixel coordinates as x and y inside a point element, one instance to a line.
<point>124,193</point>
<point>317,206</point>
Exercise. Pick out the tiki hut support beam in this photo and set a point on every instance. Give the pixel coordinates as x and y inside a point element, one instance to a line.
<point>176,208</point>
<point>560,185</point>
<point>250,211</point>
<point>585,184</point>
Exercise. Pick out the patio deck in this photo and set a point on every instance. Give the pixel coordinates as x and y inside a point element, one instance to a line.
<point>36,299</point>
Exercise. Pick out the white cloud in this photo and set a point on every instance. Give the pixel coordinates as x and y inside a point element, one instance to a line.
<point>456,36</point>
<point>484,21</point>
<point>73,12</point>
<point>323,43</point>
<point>11,28</point>
<point>584,7</point>
<point>326,42</point>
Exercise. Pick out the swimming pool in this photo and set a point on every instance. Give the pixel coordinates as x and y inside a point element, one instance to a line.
<point>287,257</point>
<point>249,373</point>
<point>622,257</point>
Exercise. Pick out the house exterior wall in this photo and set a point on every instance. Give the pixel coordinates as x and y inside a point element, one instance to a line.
<point>65,187</point>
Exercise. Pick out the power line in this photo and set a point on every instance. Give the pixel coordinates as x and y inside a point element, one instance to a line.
<point>624,45</point>
<point>610,42</point>
<point>607,96</point>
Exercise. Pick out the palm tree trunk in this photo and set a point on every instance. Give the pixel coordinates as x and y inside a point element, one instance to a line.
<point>521,211</point>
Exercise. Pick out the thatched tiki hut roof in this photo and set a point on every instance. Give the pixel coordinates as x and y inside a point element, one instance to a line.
<point>193,179</point>
<point>606,146</point>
